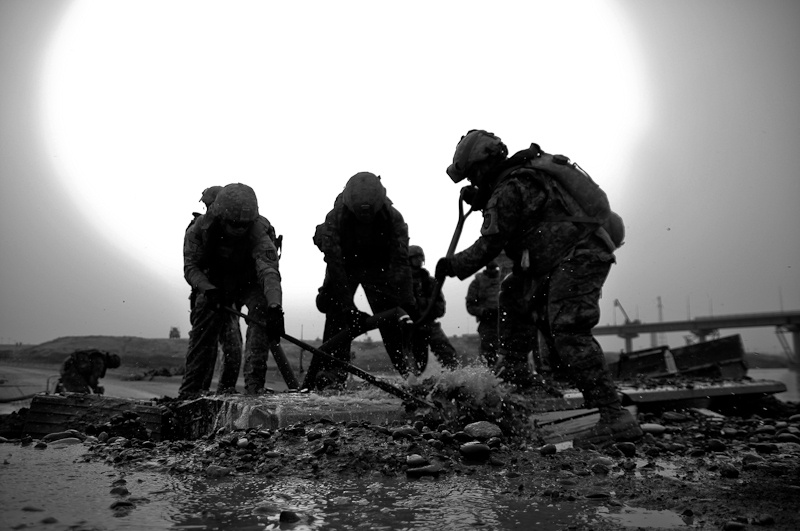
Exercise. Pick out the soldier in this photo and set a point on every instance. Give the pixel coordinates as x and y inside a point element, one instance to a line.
<point>365,242</point>
<point>482,303</point>
<point>230,337</point>
<point>82,370</point>
<point>429,332</point>
<point>231,260</point>
<point>561,261</point>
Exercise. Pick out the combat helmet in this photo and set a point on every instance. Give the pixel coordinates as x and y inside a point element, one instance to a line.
<point>112,361</point>
<point>416,250</point>
<point>364,195</point>
<point>475,149</point>
<point>236,203</point>
<point>210,194</point>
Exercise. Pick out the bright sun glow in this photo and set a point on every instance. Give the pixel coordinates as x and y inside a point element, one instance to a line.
<point>146,103</point>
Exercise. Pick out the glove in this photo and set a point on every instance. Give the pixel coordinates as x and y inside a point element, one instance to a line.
<point>356,319</point>
<point>274,322</point>
<point>444,269</point>
<point>213,297</point>
<point>413,313</point>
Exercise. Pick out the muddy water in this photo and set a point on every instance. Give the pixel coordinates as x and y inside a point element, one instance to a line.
<point>54,489</point>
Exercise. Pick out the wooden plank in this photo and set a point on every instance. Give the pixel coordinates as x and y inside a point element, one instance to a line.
<point>553,430</point>
<point>701,390</point>
<point>54,413</point>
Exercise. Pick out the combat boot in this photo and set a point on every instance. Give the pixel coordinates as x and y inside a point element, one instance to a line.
<point>616,424</point>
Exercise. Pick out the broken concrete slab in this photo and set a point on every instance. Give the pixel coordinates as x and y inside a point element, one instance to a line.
<point>207,414</point>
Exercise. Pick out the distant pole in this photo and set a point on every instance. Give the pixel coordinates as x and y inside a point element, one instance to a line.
<point>780,298</point>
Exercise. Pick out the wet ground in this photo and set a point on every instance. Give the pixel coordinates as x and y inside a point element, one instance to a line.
<point>737,469</point>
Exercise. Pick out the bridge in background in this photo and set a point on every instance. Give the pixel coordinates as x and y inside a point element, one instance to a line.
<point>702,327</point>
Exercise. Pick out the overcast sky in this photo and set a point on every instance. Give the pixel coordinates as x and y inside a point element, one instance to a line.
<point>115,115</point>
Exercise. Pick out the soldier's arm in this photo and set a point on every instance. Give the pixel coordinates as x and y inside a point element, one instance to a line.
<point>399,261</point>
<point>265,256</point>
<point>473,298</point>
<point>335,291</point>
<point>193,246</point>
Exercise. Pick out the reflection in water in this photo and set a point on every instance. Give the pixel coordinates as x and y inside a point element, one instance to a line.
<point>54,486</point>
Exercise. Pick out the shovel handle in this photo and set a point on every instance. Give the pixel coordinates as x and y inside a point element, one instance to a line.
<point>352,369</point>
<point>438,282</point>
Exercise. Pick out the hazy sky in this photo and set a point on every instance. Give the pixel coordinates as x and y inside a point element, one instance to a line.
<point>115,115</point>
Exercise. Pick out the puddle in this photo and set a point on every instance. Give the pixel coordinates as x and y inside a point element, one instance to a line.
<point>54,489</point>
<point>646,518</point>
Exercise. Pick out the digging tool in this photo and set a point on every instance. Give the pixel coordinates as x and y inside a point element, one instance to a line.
<point>352,369</point>
<point>386,317</point>
<point>277,352</point>
<point>437,288</point>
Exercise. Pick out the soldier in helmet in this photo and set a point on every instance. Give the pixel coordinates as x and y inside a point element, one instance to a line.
<point>429,332</point>
<point>560,265</point>
<point>482,304</point>
<point>230,259</point>
<point>82,370</point>
<point>230,338</point>
<point>365,242</point>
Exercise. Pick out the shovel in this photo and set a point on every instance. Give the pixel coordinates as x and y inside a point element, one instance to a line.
<point>277,352</point>
<point>352,369</point>
<point>437,288</point>
<point>388,316</point>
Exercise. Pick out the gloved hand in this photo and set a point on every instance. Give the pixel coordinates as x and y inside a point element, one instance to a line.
<point>214,297</point>
<point>444,269</point>
<point>412,312</point>
<point>274,322</point>
<point>356,319</point>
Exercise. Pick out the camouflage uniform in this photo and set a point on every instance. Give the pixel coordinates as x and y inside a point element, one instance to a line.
<point>374,256</point>
<point>430,331</point>
<point>246,270</point>
<point>559,270</point>
<point>82,370</point>
<point>230,337</point>
<point>482,303</point>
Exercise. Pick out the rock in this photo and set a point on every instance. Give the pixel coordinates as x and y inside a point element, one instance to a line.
<point>765,448</point>
<point>416,460</point>
<point>475,451</point>
<point>463,437</point>
<point>428,470</point>
<point>494,442</point>
<point>63,435</point>
<point>600,469</point>
<point>242,443</point>
<point>406,432</point>
<point>289,517</point>
<point>121,504</point>
<point>715,445</point>
<point>749,459</point>
<point>729,471</point>
<point>548,449</point>
<point>674,416</point>
<point>66,441</point>
<point>120,491</point>
<point>597,495</point>
<point>40,445</point>
<point>628,449</point>
<point>216,471</point>
<point>733,526</point>
<point>272,454</point>
<point>483,430</point>
<point>729,432</point>
<point>655,429</point>
<point>763,519</point>
<point>788,437</point>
